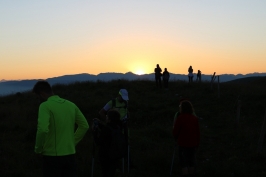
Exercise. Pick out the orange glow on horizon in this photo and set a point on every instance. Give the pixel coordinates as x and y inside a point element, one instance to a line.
<point>139,72</point>
<point>122,54</point>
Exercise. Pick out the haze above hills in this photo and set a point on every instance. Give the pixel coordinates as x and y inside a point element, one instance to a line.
<point>14,86</point>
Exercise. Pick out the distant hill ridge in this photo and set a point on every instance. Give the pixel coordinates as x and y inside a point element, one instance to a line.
<point>9,87</point>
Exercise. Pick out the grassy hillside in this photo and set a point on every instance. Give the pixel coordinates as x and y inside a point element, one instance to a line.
<point>226,149</point>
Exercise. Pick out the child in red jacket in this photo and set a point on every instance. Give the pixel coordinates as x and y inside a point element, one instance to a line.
<point>187,134</point>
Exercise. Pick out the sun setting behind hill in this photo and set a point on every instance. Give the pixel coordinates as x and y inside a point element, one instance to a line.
<point>140,72</point>
<point>121,36</point>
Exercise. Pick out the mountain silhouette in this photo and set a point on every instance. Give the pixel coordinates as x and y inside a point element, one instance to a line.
<point>10,87</point>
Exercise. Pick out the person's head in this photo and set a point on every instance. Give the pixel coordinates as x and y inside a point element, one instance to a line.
<point>186,107</point>
<point>43,89</point>
<point>157,65</point>
<point>123,95</point>
<point>165,69</point>
<point>113,116</point>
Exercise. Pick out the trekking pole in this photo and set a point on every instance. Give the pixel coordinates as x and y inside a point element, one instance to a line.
<point>93,154</point>
<point>123,165</point>
<point>126,133</point>
<point>173,158</point>
<point>128,159</point>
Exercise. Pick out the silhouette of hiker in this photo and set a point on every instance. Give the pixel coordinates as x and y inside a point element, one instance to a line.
<point>158,75</point>
<point>56,138</point>
<point>199,76</point>
<point>103,135</point>
<point>190,74</point>
<point>166,77</point>
<point>186,132</point>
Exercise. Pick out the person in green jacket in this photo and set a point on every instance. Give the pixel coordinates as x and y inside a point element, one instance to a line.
<point>56,136</point>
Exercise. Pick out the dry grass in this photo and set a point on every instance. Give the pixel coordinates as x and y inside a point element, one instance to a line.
<point>225,150</point>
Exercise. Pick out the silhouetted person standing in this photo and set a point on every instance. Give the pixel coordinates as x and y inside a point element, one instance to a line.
<point>103,135</point>
<point>199,76</point>
<point>186,132</point>
<point>158,75</point>
<point>61,125</point>
<point>166,77</point>
<point>190,74</point>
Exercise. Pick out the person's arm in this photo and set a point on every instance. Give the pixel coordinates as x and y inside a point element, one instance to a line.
<point>198,131</point>
<point>104,110</point>
<point>42,128</point>
<point>177,126</point>
<point>175,117</point>
<point>96,131</point>
<point>83,126</point>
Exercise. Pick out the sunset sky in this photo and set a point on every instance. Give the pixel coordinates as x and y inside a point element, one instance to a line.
<point>43,39</point>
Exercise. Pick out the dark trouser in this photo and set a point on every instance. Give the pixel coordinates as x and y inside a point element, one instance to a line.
<point>158,81</point>
<point>190,78</point>
<point>199,78</point>
<point>125,130</point>
<point>59,166</point>
<point>187,156</point>
<point>165,83</point>
<point>108,167</point>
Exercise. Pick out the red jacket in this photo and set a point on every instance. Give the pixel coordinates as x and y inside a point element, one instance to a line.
<point>186,130</point>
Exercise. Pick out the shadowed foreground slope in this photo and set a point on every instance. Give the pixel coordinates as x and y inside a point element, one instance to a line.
<point>225,150</point>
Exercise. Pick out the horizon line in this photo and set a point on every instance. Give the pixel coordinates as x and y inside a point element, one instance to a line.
<point>4,80</point>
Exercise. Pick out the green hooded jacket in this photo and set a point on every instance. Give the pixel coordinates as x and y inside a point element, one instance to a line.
<point>56,133</point>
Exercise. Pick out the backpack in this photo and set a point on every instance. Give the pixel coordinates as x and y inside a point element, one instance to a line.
<point>114,104</point>
<point>118,146</point>
<point>124,106</point>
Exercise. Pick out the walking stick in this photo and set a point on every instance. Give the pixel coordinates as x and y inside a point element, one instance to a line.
<point>173,158</point>
<point>128,159</point>
<point>123,165</point>
<point>95,130</point>
<point>93,154</point>
<point>126,137</point>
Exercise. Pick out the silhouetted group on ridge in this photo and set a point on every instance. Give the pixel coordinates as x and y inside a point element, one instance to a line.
<point>190,75</point>
<point>159,74</point>
<point>166,75</point>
